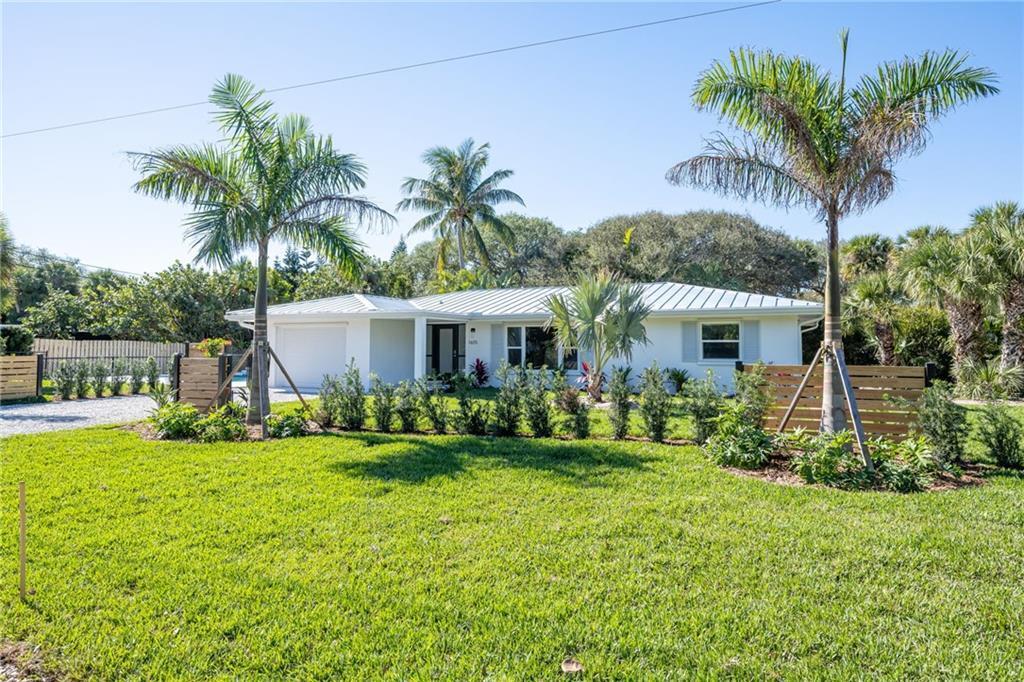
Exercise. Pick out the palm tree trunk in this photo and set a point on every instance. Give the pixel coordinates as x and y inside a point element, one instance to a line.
<point>966,320</point>
<point>458,244</point>
<point>833,416</point>
<point>1012,350</point>
<point>259,393</point>
<point>886,343</point>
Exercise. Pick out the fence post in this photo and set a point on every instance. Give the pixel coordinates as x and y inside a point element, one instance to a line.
<point>931,370</point>
<point>222,372</point>
<point>173,376</point>
<point>739,365</point>
<point>40,364</point>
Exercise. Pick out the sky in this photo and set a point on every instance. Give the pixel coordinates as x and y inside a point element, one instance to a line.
<point>588,126</point>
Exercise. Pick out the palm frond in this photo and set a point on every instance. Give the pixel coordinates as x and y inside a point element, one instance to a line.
<point>192,175</point>
<point>331,237</point>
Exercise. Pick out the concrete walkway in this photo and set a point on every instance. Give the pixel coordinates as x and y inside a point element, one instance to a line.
<point>75,414</point>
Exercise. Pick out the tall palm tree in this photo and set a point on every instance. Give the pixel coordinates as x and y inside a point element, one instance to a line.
<point>811,140</point>
<point>271,180</point>
<point>458,199</point>
<point>876,298</point>
<point>864,254</point>
<point>601,317</point>
<point>8,292</point>
<point>1000,231</point>
<point>941,269</point>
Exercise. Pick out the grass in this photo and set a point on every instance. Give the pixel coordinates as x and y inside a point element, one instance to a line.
<point>373,556</point>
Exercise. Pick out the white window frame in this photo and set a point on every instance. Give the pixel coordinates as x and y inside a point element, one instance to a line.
<point>522,346</point>
<point>738,342</point>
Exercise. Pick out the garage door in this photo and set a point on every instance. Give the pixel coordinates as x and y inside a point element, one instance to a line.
<point>310,351</point>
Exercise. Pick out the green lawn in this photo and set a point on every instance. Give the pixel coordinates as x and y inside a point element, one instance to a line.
<point>373,556</point>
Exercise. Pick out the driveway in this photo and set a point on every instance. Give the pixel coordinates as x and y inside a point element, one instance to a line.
<point>75,414</point>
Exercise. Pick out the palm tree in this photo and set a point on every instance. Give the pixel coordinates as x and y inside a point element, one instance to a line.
<point>876,298</point>
<point>941,269</point>
<point>272,180</point>
<point>810,140</point>
<point>8,292</point>
<point>603,317</point>
<point>458,200</point>
<point>1000,230</point>
<point>864,254</point>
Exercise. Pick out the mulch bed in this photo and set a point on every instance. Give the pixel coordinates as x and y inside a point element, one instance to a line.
<point>20,662</point>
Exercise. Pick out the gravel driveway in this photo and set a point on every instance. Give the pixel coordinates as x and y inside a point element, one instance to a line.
<point>75,414</point>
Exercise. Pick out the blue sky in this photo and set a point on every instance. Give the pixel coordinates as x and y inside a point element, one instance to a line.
<point>589,126</point>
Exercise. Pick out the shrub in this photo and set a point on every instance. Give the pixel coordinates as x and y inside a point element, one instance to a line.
<point>829,459</point>
<point>83,376</point>
<point>942,421</point>
<point>619,395</point>
<point>655,402</point>
<point>906,466</point>
<point>175,421</point>
<point>479,373</point>
<point>406,407</point>
<point>536,406</point>
<point>118,376</point>
<point>585,371</point>
<point>161,394</point>
<point>471,416</point>
<point>752,392</point>
<point>288,424</point>
<point>63,377</point>
<point>976,380</point>
<point>383,403</point>
<point>152,372</point>
<point>98,373</point>
<point>16,341</point>
<point>343,400</point>
<point>433,405</point>
<point>136,376</point>
<point>738,441</point>
<point>570,402</point>
<point>678,377</point>
<point>507,406</point>
<point>703,401</point>
<point>330,400</point>
<point>225,423</point>
<point>1002,435</point>
<point>211,348</point>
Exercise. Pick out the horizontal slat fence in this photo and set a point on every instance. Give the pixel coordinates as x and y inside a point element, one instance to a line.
<point>873,385</point>
<point>19,377</point>
<point>58,350</point>
<point>197,379</point>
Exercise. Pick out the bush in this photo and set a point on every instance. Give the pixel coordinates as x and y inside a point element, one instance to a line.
<point>406,407</point>
<point>479,373</point>
<point>906,466</point>
<point>703,401</point>
<point>1002,435</point>
<point>571,403</point>
<point>678,377</point>
<point>471,416</point>
<point>536,406</point>
<point>752,392</point>
<point>738,441</point>
<point>288,424</point>
<point>136,376</point>
<point>118,376</point>
<point>98,374</point>
<point>83,375</point>
<point>507,406</point>
<point>211,348</point>
<point>619,395</point>
<point>161,394</point>
<point>63,377</point>
<point>226,423</point>
<point>942,421</point>
<point>655,402</point>
<point>343,400</point>
<point>16,341</point>
<point>152,372</point>
<point>976,380</point>
<point>383,403</point>
<point>330,400</point>
<point>829,459</point>
<point>175,421</point>
<point>433,405</point>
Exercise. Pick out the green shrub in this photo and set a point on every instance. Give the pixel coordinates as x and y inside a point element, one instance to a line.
<point>1002,436</point>
<point>655,402</point>
<point>739,441</point>
<point>330,400</point>
<point>343,401</point>
<point>752,392</point>
<point>406,407</point>
<point>829,459</point>
<point>943,422</point>
<point>161,394</point>
<point>175,421</point>
<point>63,377</point>
<point>226,423</point>
<point>536,406</point>
<point>383,403</point>
<point>152,372</point>
<point>211,348</point>
<point>507,408</point>
<point>703,401</point>
<point>98,373</point>
<point>83,376</point>
<point>288,424</point>
<point>570,402</point>
<point>118,376</point>
<point>471,416</point>
<point>678,377</point>
<point>433,405</point>
<point>621,402</point>
<point>977,380</point>
<point>16,341</point>
<point>136,376</point>
<point>904,466</point>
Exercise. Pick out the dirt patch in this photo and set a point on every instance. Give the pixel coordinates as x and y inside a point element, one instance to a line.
<point>20,662</point>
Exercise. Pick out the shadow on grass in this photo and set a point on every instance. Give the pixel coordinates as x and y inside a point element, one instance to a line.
<point>415,459</point>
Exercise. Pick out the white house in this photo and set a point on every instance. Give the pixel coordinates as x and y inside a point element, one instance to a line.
<point>691,327</point>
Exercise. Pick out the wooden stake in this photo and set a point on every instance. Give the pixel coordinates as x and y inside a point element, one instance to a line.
<point>288,377</point>
<point>227,380</point>
<point>851,402</point>
<point>800,390</point>
<point>21,539</point>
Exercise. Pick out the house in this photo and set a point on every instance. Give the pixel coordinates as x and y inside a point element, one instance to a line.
<point>691,327</point>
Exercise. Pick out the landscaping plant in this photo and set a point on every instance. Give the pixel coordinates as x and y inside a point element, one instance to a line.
<point>829,459</point>
<point>536,406</point>
<point>406,407</point>
<point>471,416</point>
<point>991,380</point>
<point>480,373</point>
<point>621,400</point>
<point>703,401</point>
<point>383,406</point>
<point>152,372</point>
<point>98,373</point>
<point>161,394</point>
<point>330,400</point>
<point>738,441</point>
<point>211,348</point>
<point>225,423</point>
<point>905,466</point>
<point>433,404</point>
<point>175,421</point>
<point>507,407</point>
<point>349,404</point>
<point>118,376</point>
<point>1002,436</point>
<point>571,403</point>
<point>655,402</point>
<point>752,392</point>
<point>942,421</point>
<point>678,377</point>
<point>83,377</point>
<point>63,377</point>
<point>288,424</point>
<point>136,376</point>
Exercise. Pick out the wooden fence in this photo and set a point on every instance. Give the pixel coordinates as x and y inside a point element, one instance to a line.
<point>21,376</point>
<point>195,380</point>
<point>873,386</point>
<point>57,350</point>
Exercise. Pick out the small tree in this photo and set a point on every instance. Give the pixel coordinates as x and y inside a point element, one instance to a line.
<point>703,401</point>
<point>152,372</point>
<point>433,405</point>
<point>536,406</point>
<point>383,395</point>
<point>406,407</point>
<point>507,410</point>
<point>621,402</point>
<point>655,403</point>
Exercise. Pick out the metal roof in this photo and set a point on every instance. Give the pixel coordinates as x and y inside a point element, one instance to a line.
<point>663,297</point>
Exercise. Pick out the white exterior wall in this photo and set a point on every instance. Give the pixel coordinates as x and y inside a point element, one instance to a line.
<point>391,354</point>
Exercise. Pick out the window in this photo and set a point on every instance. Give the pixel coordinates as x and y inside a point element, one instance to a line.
<point>570,359</point>
<point>536,347</point>
<point>720,341</point>
<point>514,342</point>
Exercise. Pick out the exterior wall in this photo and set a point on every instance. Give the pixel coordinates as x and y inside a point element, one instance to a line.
<point>331,355</point>
<point>391,350</point>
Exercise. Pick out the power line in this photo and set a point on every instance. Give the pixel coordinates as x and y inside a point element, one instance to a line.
<point>406,67</point>
<point>38,255</point>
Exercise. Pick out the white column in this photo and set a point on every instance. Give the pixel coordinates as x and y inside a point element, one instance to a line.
<point>419,347</point>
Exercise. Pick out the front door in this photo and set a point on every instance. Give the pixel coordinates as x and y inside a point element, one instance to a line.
<point>444,358</point>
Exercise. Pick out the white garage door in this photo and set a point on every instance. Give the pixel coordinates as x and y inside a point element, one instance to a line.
<point>310,351</point>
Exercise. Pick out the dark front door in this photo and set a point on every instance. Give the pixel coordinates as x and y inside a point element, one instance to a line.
<point>444,344</point>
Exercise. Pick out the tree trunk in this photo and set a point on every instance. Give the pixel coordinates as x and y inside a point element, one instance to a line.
<point>886,340</point>
<point>1012,350</point>
<point>458,245</point>
<point>833,415</point>
<point>966,321</point>
<point>259,393</point>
